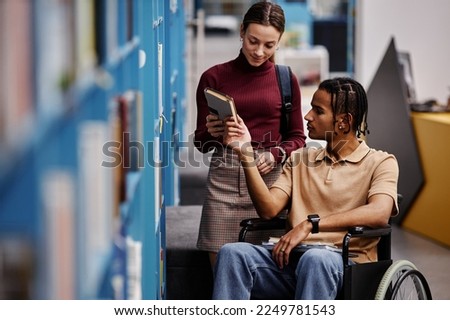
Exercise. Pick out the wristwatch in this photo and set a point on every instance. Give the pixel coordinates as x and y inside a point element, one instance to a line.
<point>314,219</point>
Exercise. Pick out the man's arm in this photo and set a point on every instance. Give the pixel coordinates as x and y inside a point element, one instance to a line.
<point>268,203</point>
<point>374,214</point>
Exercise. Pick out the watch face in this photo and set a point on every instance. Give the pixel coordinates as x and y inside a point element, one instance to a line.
<point>314,219</point>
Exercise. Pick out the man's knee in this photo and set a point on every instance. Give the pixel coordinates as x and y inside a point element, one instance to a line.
<point>321,258</point>
<point>319,274</point>
<point>231,250</point>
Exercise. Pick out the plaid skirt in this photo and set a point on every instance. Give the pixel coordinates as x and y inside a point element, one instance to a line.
<point>227,202</point>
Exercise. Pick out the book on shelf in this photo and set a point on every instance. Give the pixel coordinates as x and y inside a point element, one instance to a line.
<point>59,208</point>
<point>220,103</point>
<point>96,200</point>
<point>16,84</point>
<point>116,123</point>
<point>133,135</point>
<point>85,51</point>
<point>54,55</point>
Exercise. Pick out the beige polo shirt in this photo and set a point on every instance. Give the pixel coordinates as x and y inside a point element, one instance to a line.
<point>317,183</point>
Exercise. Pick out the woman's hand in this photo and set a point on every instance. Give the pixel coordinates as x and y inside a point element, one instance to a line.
<point>215,126</point>
<point>265,162</point>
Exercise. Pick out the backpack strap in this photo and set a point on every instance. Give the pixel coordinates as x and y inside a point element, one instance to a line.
<point>284,82</point>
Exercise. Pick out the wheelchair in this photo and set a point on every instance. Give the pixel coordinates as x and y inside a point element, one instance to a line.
<point>380,280</point>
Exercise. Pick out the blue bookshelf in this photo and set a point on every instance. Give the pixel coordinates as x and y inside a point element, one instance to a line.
<point>84,182</point>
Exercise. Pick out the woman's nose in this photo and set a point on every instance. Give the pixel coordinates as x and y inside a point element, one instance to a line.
<point>260,50</point>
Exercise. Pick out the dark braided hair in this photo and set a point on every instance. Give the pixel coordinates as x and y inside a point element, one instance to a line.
<point>348,96</point>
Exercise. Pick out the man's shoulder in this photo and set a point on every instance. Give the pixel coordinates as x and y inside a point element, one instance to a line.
<point>317,153</point>
<point>365,152</point>
<point>381,160</point>
<point>380,154</point>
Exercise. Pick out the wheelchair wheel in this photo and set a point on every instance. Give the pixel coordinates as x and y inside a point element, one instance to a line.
<point>402,281</point>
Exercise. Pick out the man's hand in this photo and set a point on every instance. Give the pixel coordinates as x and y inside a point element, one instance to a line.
<point>237,136</point>
<point>289,241</point>
<point>239,139</point>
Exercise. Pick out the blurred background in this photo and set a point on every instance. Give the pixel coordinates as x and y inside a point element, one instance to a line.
<point>97,113</point>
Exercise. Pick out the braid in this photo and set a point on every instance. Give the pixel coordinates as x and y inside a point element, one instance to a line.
<point>348,96</point>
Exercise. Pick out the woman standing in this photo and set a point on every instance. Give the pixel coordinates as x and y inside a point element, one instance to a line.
<point>252,82</point>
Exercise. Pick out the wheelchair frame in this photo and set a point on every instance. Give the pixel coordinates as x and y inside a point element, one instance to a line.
<point>400,280</point>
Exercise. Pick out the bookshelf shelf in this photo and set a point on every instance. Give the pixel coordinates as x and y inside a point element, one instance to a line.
<point>82,205</point>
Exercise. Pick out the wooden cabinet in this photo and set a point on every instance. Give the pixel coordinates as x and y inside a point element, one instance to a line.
<point>429,214</point>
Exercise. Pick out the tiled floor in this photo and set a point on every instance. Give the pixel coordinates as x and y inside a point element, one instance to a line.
<point>432,259</point>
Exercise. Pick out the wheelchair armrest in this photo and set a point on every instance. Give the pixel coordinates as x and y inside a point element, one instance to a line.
<point>252,224</point>
<point>263,224</point>
<point>367,232</point>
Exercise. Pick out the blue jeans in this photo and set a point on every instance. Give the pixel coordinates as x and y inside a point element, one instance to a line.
<point>246,271</point>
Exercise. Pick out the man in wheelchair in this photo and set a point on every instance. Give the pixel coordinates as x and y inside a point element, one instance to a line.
<point>327,191</point>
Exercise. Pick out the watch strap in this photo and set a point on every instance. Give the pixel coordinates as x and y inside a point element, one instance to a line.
<point>314,219</point>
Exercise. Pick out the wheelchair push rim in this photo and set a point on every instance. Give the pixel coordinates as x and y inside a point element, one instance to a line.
<point>403,281</point>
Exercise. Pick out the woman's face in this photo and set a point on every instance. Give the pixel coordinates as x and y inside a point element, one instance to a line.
<point>259,43</point>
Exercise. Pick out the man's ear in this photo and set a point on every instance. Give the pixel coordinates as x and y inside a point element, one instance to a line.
<point>349,118</point>
<point>346,119</point>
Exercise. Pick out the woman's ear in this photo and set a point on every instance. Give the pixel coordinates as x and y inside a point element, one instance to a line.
<point>241,31</point>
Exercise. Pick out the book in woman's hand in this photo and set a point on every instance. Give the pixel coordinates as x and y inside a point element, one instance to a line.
<point>220,104</point>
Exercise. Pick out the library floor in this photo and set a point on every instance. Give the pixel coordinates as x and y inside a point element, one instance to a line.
<point>432,259</point>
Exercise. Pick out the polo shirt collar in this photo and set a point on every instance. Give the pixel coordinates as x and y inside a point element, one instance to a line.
<point>355,157</point>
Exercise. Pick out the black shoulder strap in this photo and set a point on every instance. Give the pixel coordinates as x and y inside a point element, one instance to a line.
<point>284,82</point>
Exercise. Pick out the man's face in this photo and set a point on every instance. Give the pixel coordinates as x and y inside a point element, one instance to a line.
<point>320,120</point>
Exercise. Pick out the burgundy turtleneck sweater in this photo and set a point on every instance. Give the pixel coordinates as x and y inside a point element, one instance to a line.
<point>258,102</point>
